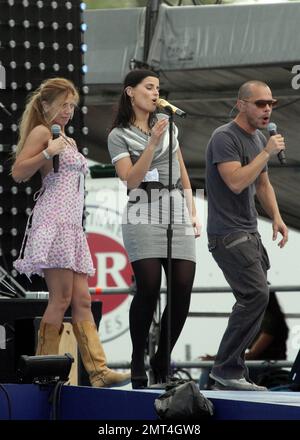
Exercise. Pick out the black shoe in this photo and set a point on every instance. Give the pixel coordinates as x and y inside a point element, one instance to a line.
<point>159,371</point>
<point>139,378</point>
<point>139,382</point>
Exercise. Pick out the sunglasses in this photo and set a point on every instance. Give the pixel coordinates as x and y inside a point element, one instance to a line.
<point>261,103</point>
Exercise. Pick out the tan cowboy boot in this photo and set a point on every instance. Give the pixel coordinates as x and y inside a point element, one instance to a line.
<point>94,359</point>
<point>48,339</point>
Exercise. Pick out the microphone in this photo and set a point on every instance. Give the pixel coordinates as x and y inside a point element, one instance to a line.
<point>55,130</point>
<point>2,106</point>
<point>162,103</point>
<point>272,129</point>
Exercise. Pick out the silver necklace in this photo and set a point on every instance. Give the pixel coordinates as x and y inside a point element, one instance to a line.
<point>147,133</point>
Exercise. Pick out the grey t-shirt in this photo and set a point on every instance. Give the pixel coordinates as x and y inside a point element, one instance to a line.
<point>227,211</point>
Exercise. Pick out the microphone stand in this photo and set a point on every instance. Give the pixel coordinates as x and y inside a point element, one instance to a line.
<point>170,113</point>
<point>169,244</point>
<point>4,109</point>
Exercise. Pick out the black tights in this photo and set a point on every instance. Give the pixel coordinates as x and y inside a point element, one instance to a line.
<point>148,280</point>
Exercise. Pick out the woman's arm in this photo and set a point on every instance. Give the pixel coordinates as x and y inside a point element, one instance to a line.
<point>188,194</point>
<point>134,174</point>
<point>31,159</point>
<point>259,346</point>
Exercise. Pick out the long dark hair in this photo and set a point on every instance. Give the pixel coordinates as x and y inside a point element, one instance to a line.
<point>274,309</point>
<point>124,113</point>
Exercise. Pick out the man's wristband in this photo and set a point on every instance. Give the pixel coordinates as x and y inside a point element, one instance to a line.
<point>46,154</point>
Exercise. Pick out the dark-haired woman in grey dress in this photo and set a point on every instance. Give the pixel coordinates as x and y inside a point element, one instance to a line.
<point>138,145</point>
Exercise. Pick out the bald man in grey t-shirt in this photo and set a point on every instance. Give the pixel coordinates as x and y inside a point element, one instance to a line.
<point>236,171</point>
<point>228,211</point>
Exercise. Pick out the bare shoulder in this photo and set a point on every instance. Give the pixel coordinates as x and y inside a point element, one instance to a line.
<point>35,142</point>
<point>40,132</point>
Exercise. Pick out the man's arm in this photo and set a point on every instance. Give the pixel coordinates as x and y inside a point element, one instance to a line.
<point>266,196</point>
<point>238,177</point>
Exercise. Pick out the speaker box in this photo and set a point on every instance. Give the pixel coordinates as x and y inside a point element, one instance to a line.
<point>11,310</point>
<point>26,338</point>
<point>19,322</point>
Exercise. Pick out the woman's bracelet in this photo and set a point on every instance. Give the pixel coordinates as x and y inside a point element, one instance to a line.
<point>46,154</point>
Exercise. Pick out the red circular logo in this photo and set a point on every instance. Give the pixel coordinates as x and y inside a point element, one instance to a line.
<point>113,269</point>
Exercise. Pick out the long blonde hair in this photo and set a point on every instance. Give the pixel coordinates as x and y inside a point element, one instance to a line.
<point>49,91</point>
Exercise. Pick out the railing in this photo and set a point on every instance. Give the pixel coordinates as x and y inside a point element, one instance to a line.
<point>209,364</point>
<point>206,364</point>
<point>131,291</point>
<point>192,364</point>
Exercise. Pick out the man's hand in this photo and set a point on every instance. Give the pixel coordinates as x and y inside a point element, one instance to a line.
<point>208,357</point>
<point>275,144</point>
<point>280,226</point>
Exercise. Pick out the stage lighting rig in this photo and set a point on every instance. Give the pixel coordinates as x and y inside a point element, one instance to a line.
<point>38,40</point>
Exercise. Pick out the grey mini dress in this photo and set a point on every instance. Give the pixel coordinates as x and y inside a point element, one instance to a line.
<point>144,224</point>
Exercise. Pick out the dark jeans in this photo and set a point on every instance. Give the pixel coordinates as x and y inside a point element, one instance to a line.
<point>244,262</point>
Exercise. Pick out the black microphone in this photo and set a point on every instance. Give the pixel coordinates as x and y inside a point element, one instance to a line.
<point>272,129</point>
<point>162,103</point>
<point>55,130</point>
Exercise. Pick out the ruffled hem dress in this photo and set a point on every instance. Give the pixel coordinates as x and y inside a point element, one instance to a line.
<point>54,236</point>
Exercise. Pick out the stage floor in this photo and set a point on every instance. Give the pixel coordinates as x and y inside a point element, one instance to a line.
<point>31,402</point>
